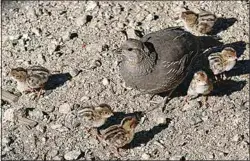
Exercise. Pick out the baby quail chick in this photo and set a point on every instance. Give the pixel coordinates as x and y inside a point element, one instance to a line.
<point>30,79</point>
<point>200,84</point>
<point>198,23</point>
<point>222,61</point>
<point>120,135</point>
<point>94,117</point>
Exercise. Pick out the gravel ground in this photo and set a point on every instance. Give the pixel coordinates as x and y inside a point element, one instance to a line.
<point>80,39</point>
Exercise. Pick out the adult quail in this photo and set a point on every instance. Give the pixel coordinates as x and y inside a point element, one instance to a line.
<point>159,61</point>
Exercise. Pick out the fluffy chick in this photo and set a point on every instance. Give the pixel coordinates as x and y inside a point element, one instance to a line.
<point>94,117</point>
<point>198,23</point>
<point>30,79</point>
<point>222,61</point>
<point>199,85</point>
<point>117,136</point>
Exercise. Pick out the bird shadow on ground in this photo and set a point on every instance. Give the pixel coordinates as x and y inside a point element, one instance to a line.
<point>227,87</point>
<point>222,24</point>
<point>145,136</point>
<point>57,80</point>
<point>241,67</point>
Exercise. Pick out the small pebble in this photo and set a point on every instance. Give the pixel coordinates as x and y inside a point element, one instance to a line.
<point>85,98</point>
<point>80,21</point>
<point>196,120</point>
<point>64,108</point>
<point>51,48</point>
<point>5,141</point>
<point>74,72</point>
<point>36,31</point>
<point>31,13</point>
<point>178,157</point>
<point>95,64</point>
<point>91,5</point>
<point>53,153</point>
<point>161,120</point>
<point>57,158</point>
<point>66,36</point>
<point>36,114</point>
<point>149,17</point>
<point>40,58</point>
<point>9,115</point>
<point>131,33</point>
<point>14,37</point>
<point>105,81</point>
<point>40,128</point>
<point>159,144</point>
<point>56,126</point>
<point>145,156</point>
<point>237,138</point>
<point>72,155</point>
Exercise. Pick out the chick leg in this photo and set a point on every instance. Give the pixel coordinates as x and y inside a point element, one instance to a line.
<point>204,101</point>
<point>41,90</point>
<point>116,151</point>
<point>94,132</point>
<point>185,100</point>
<point>162,105</point>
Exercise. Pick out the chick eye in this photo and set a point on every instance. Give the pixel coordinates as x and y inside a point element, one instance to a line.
<point>130,49</point>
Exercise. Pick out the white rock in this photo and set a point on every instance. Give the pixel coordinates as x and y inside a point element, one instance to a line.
<point>105,81</point>
<point>161,119</point>
<point>40,58</point>
<point>85,98</point>
<point>14,37</point>
<point>91,5</point>
<point>80,20</point>
<point>72,155</point>
<point>145,156</point>
<point>5,141</point>
<point>31,13</point>
<point>66,36</point>
<point>131,33</point>
<point>236,138</point>
<point>178,157</point>
<point>149,17</point>
<point>74,72</point>
<point>36,31</point>
<point>64,108</point>
<point>9,115</point>
<point>56,126</point>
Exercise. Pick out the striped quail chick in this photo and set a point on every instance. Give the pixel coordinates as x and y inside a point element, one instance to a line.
<point>222,61</point>
<point>30,79</point>
<point>117,136</point>
<point>199,85</point>
<point>198,23</point>
<point>159,61</point>
<point>94,117</point>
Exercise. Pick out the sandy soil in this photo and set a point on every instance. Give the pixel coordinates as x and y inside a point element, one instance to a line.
<point>80,39</point>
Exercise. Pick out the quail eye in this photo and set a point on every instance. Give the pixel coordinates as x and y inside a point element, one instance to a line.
<point>130,49</point>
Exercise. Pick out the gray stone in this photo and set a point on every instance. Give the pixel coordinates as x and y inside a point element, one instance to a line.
<point>64,108</point>
<point>72,155</point>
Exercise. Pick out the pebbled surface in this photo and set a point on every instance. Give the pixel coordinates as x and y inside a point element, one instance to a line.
<point>80,39</point>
